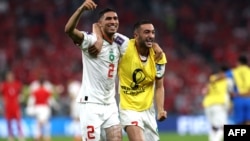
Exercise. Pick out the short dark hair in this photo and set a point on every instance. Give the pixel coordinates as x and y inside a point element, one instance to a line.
<point>242,59</point>
<point>102,12</point>
<point>139,23</point>
<point>224,68</point>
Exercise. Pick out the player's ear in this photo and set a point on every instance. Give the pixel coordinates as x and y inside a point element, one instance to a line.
<point>135,34</point>
<point>99,23</point>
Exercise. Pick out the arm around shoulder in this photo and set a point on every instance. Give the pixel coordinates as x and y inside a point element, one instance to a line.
<point>158,52</point>
<point>96,48</point>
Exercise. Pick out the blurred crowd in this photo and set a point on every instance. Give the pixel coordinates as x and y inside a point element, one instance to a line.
<point>196,35</point>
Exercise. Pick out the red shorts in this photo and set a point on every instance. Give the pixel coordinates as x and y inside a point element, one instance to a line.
<point>12,113</point>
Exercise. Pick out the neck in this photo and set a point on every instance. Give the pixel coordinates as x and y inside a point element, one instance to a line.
<point>108,38</point>
<point>144,51</point>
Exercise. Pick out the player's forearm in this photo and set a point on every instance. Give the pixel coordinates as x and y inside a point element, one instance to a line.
<point>96,48</point>
<point>159,97</point>
<point>218,77</point>
<point>247,94</point>
<point>73,20</point>
<point>98,32</point>
<point>156,47</point>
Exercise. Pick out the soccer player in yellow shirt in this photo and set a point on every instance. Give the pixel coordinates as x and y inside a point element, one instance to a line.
<point>140,81</point>
<point>216,104</point>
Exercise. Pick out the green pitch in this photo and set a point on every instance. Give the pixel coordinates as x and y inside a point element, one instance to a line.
<point>163,136</point>
<point>176,137</point>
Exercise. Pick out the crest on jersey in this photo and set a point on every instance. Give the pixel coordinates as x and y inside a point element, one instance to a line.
<point>111,55</point>
<point>138,76</point>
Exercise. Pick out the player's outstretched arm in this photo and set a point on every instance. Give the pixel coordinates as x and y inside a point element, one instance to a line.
<point>70,27</point>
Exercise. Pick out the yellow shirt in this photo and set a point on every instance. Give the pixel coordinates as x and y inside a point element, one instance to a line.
<point>136,80</point>
<point>241,77</point>
<point>217,92</point>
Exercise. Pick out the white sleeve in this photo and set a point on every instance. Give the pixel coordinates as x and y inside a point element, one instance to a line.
<point>89,40</point>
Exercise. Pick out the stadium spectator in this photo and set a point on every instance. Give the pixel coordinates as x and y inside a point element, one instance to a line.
<point>217,104</point>
<point>10,91</point>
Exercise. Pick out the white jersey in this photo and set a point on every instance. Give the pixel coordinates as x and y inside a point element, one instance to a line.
<point>98,79</point>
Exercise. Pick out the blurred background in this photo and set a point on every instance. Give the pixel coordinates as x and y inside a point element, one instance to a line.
<point>196,35</point>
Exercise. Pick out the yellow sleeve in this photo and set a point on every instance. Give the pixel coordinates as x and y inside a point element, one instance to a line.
<point>163,60</point>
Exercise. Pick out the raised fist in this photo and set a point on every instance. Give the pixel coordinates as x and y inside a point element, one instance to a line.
<point>89,5</point>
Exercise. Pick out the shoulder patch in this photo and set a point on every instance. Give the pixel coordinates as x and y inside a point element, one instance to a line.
<point>119,40</point>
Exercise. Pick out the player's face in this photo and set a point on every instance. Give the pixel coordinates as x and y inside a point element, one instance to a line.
<point>109,23</point>
<point>10,77</point>
<point>146,35</point>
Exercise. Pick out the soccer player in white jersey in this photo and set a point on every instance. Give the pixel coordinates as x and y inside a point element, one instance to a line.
<point>97,103</point>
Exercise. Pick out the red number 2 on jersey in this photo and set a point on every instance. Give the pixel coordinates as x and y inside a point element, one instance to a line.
<point>111,70</point>
<point>91,130</point>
